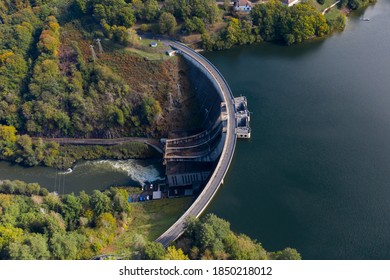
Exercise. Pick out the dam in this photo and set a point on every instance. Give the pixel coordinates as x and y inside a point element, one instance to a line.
<point>193,160</point>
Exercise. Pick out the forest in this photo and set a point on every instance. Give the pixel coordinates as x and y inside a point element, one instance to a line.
<point>51,85</point>
<point>36,224</point>
<point>24,150</point>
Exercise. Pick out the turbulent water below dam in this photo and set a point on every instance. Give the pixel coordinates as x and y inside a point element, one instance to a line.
<point>87,175</point>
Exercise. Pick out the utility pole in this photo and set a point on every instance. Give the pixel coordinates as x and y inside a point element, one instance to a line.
<point>100,45</point>
<point>94,57</point>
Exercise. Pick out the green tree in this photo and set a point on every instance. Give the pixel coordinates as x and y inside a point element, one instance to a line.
<point>8,235</point>
<point>120,203</point>
<point>107,222</point>
<point>286,254</point>
<point>241,247</point>
<point>71,210</point>
<point>113,12</point>
<point>151,10</point>
<point>153,251</point>
<point>33,247</point>
<point>66,246</point>
<point>138,7</point>
<point>33,189</point>
<point>167,23</point>
<point>100,203</point>
<point>275,21</point>
<point>151,109</point>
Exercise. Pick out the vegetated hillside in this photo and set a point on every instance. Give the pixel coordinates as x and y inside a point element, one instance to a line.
<point>35,224</point>
<point>51,85</point>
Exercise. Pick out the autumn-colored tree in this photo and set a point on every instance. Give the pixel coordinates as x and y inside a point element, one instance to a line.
<point>8,134</point>
<point>175,254</point>
<point>49,41</point>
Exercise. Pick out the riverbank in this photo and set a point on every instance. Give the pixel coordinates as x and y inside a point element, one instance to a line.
<point>28,152</point>
<point>69,155</point>
<point>274,22</point>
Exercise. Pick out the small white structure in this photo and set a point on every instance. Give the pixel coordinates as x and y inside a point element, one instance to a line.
<point>243,6</point>
<point>153,44</point>
<point>157,195</point>
<point>243,132</point>
<point>171,52</point>
<point>243,118</point>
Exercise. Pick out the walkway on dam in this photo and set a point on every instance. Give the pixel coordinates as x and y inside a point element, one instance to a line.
<point>222,167</point>
<point>193,147</point>
<point>154,143</point>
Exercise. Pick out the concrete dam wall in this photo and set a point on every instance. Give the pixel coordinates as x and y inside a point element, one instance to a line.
<point>206,91</point>
<point>190,160</point>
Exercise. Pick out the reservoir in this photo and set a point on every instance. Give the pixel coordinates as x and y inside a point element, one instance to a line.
<point>316,173</point>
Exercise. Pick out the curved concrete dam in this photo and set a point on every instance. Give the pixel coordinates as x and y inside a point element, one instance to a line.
<point>228,140</point>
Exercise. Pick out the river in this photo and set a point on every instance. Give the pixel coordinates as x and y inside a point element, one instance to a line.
<point>316,173</point>
<point>88,175</point>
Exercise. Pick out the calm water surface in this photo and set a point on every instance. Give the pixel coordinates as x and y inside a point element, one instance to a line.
<point>316,173</point>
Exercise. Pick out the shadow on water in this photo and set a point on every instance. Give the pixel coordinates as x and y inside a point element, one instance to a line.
<point>270,49</point>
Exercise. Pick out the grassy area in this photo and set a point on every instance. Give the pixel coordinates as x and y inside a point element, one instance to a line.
<point>162,214</point>
<point>327,3</point>
<point>332,14</point>
<point>152,218</point>
<point>144,50</point>
<point>147,55</point>
<point>146,43</point>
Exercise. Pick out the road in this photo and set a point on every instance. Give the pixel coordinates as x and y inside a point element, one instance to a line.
<point>222,167</point>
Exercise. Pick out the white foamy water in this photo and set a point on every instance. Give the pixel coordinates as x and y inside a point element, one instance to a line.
<point>68,171</point>
<point>133,168</point>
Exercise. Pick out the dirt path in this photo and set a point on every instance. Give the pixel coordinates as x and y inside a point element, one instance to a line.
<point>154,143</point>
<point>330,7</point>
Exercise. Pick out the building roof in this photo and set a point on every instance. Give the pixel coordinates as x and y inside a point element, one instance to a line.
<point>244,3</point>
<point>243,130</point>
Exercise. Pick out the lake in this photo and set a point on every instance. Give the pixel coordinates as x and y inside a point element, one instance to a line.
<point>316,173</point>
